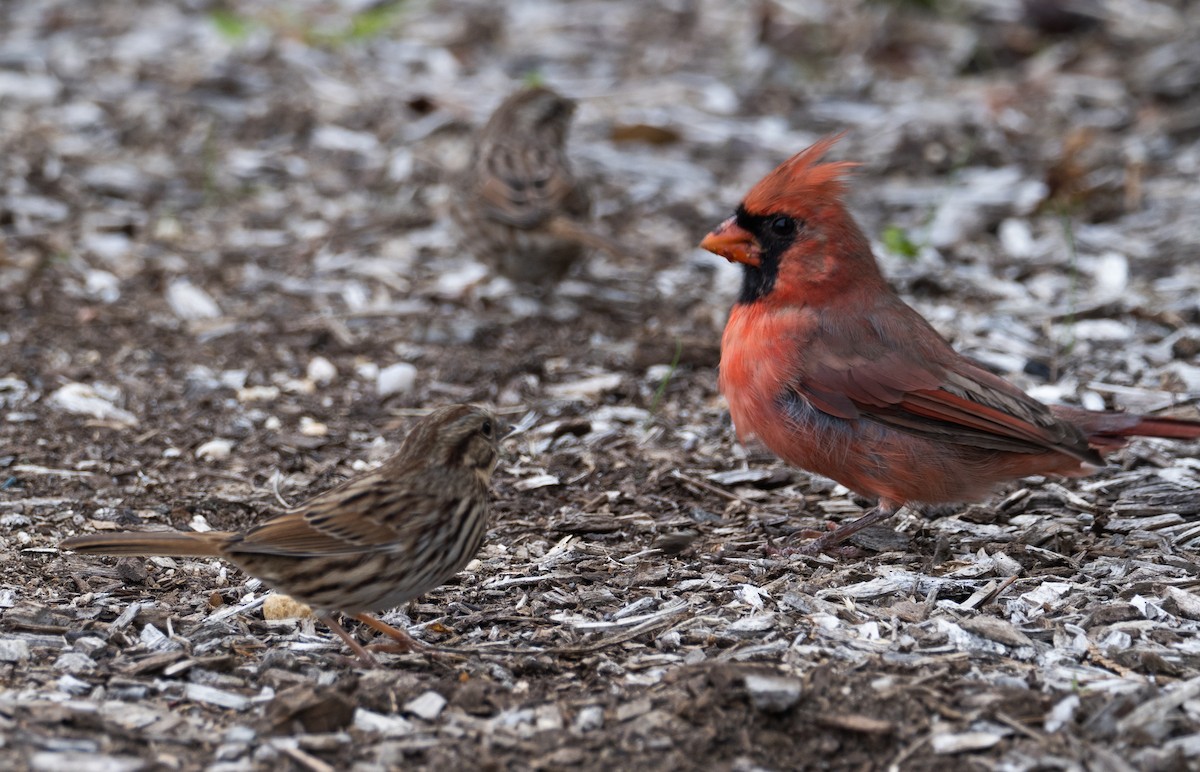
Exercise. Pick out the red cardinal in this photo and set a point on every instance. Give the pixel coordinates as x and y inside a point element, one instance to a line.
<point>825,363</point>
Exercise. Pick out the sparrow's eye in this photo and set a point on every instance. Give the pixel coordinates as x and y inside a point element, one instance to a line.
<point>486,428</point>
<point>783,225</point>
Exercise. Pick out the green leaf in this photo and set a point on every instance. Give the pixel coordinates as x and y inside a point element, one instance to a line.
<point>229,25</point>
<point>897,241</point>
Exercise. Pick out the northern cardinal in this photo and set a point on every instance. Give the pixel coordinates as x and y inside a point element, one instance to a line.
<point>824,362</point>
<point>519,205</point>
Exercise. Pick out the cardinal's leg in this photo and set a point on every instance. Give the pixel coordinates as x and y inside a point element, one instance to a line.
<point>882,511</point>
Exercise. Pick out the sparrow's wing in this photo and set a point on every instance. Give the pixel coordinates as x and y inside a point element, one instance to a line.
<point>356,517</point>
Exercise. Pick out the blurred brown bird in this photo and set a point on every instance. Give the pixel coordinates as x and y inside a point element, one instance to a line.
<point>519,205</point>
<point>374,542</point>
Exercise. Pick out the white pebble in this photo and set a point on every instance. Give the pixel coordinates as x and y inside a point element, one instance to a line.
<point>948,742</point>
<point>1188,375</point>
<point>1111,272</point>
<point>454,283</point>
<point>218,697</point>
<point>1062,713</point>
<point>338,139</point>
<point>190,302</point>
<point>368,721</point>
<point>589,718</point>
<point>321,371</point>
<point>399,378</point>
<point>109,247</point>
<point>217,449</point>
<point>1102,330</point>
<point>428,706</point>
<point>1016,238</point>
<point>1092,401</point>
<point>13,650</point>
<point>234,379</point>
<point>103,286</point>
<point>258,394</point>
<point>75,662</point>
<point>82,399</point>
<point>656,374</point>
<point>368,371</point>
<point>585,388</point>
<point>773,693</point>
<point>310,427</point>
<point>72,685</point>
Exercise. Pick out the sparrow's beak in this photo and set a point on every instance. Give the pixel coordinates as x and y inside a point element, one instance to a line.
<point>732,242</point>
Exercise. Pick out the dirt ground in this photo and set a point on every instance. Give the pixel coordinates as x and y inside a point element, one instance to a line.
<point>222,229</point>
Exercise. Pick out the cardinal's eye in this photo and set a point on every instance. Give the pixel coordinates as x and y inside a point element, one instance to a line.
<point>783,225</point>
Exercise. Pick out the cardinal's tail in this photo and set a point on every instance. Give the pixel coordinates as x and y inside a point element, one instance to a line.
<point>1112,429</point>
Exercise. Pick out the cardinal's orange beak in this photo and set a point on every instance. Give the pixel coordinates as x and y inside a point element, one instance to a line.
<point>732,242</point>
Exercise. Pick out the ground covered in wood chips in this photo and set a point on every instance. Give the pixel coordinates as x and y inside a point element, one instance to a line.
<point>227,282</point>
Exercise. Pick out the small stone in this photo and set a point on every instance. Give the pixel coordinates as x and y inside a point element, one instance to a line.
<point>1110,330</point>
<point>627,710</point>
<point>757,623</point>
<point>585,388</point>
<point>377,723</point>
<point>455,283</point>
<point>258,394</point>
<point>81,399</point>
<point>13,650</point>
<point>74,662</point>
<point>1111,273</point>
<point>998,630</point>
<point>102,286</point>
<point>1062,713</point>
<point>1182,376</point>
<point>947,742</point>
<point>589,719</point>
<point>132,570</point>
<point>321,371</point>
<point>428,706</point>
<point>216,449</point>
<point>239,733</point>
<point>536,481</point>
<point>81,761</point>
<point>1182,603</point>
<point>1016,238</point>
<point>368,371</point>
<point>218,697</point>
<point>338,139</point>
<point>12,392</point>
<point>310,427</point>
<point>773,693</point>
<point>69,684</point>
<point>109,247</point>
<point>190,302</point>
<point>156,640</point>
<point>234,379</point>
<point>399,378</point>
